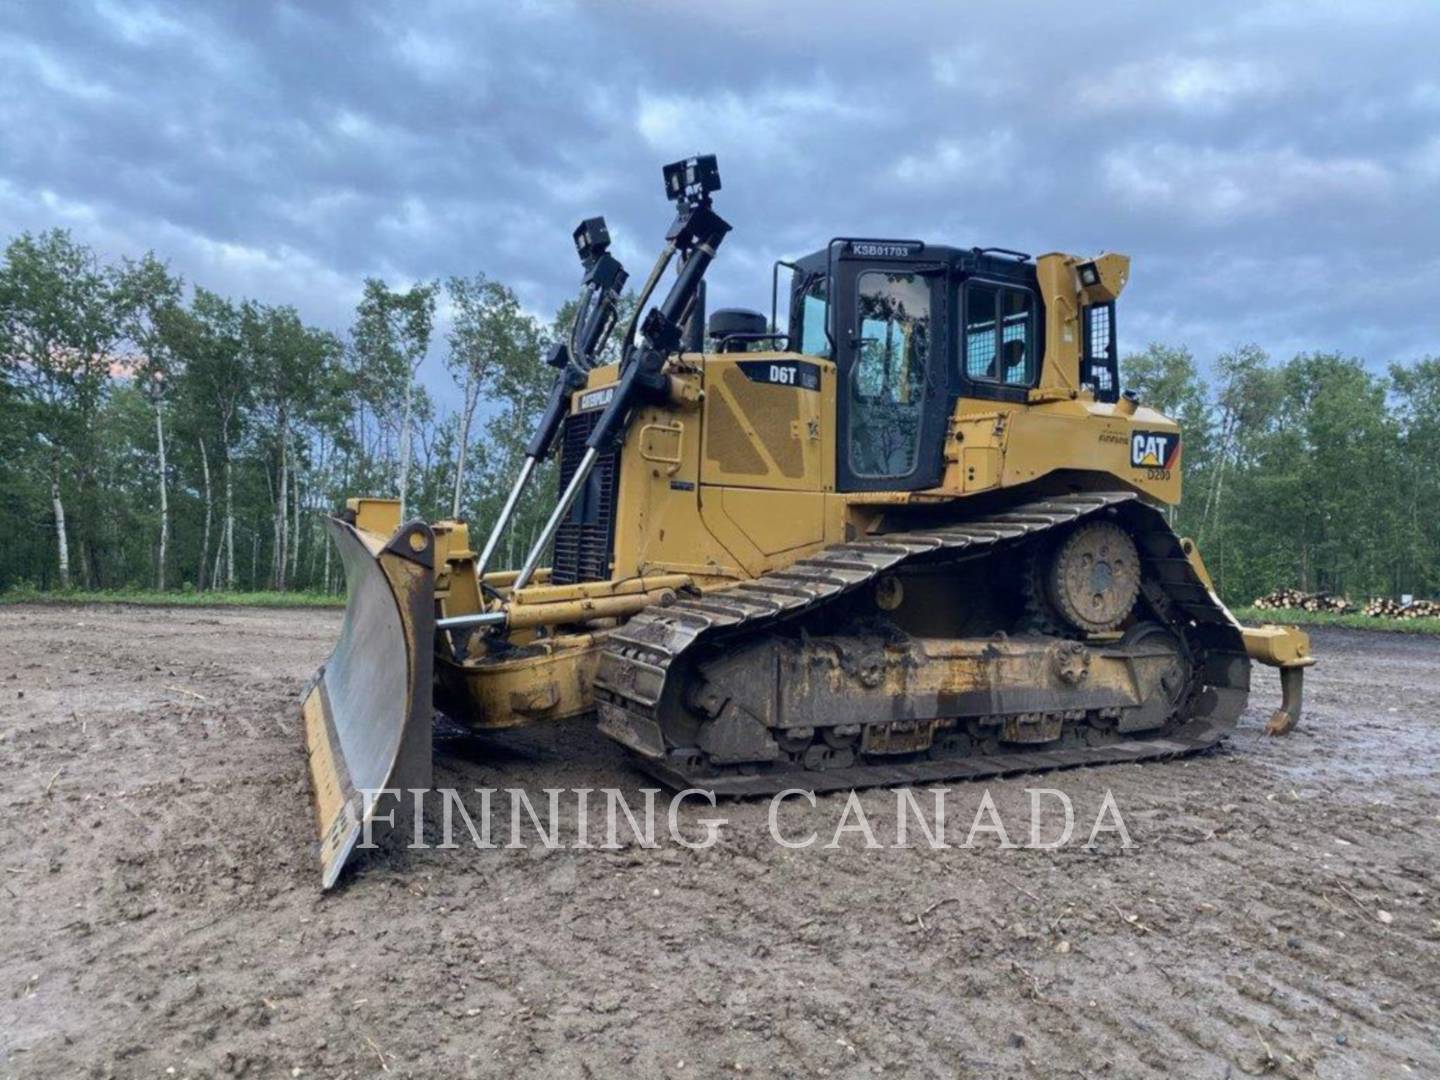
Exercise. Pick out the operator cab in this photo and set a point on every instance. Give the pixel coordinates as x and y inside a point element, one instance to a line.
<point>911,328</point>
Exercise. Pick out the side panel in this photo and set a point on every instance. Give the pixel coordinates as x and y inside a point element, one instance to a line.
<point>768,456</point>
<point>764,529</point>
<point>769,422</point>
<point>753,424</point>
<point>732,480</point>
<point>1006,446</point>
<point>976,456</point>
<point>774,521</point>
<point>658,527</point>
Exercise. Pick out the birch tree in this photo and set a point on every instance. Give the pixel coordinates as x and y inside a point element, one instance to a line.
<point>219,392</point>
<point>292,365</point>
<point>1246,395</point>
<point>148,299</point>
<point>487,332</point>
<point>58,325</point>
<point>389,340</point>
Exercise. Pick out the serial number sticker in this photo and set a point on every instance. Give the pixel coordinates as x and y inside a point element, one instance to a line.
<point>596,399</point>
<point>883,250</point>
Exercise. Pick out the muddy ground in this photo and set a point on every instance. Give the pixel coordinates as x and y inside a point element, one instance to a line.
<point>1277,911</point>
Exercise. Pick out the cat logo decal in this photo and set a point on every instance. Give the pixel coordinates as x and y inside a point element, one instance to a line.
<point>1154,449</point>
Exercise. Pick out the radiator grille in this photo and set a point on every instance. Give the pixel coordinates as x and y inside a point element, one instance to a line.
<point>585,540</point>
<point>773,412</point>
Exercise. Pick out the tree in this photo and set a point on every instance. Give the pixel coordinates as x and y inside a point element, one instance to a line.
<point>1416,392</point>
<point>58,326</point>
<point>291,363</point>
<point>1348,443</point>
<point>148,302</point>
<point>1309,507</point>
<point>144,440</point>
<point>489,333</point>
<point>1167,379</point>
<point>522,386</point>
<point>219,390</point>
<point>1249,393</point>
<point>390,337</point>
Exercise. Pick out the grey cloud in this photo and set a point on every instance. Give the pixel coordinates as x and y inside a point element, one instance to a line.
<point>1273,168</point>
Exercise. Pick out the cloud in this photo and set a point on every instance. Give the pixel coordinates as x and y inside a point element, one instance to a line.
<point>53,72</point>
<point>1426,95</point>
<point>774,119</point>
<point>991,159</point>
<point>1188,84</point>
<point>969,65</point>
<point>138,24</point>
<point>1220,185</point>
<point>288,151</point>
<point>1426,159</point>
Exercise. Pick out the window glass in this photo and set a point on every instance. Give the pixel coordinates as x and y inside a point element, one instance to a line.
<point>814,309</point>
<point>1100,370</point>
<point>980,301</point>
<point>887,380</point>
<point>999,335</point>
<point>1015,344</point>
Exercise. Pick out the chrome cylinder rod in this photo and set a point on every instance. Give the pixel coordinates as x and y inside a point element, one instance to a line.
<point>506,513</point>
<point>567,500</point>
<point>461,622</point>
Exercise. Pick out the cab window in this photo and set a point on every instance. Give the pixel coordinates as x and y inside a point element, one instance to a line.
<point>887,379</point>
<point>814,310</point>
<point>999,339</point>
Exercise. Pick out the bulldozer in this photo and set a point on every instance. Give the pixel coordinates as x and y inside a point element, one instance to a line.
<point>913,531</point>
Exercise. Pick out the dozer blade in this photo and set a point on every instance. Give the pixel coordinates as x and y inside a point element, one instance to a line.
<point>368,710</point>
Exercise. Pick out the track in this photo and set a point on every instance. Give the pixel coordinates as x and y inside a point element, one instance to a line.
<point>645,660</point>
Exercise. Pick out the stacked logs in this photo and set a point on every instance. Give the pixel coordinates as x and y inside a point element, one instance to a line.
<point>1295,600</point>
<point>1379,608</point>
<point>1382,608</point>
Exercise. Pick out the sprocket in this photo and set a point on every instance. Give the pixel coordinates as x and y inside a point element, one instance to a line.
<point>1094,577</point>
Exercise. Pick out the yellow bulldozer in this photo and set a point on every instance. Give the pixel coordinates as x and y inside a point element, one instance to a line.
<point>918,532</point>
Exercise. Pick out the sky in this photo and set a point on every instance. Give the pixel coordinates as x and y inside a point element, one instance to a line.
<point>1272,167</point>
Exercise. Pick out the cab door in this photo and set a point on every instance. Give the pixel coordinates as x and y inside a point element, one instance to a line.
<point>890,336</point>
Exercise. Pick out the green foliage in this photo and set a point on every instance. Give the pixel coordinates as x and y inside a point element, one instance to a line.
<point>490,338</point>
<point>1415,475</point>
<point>1355,621</point>
<point>1300,493</point>
<point>1317,473</point>
<point>25,593</point>
<point>1167,379</point>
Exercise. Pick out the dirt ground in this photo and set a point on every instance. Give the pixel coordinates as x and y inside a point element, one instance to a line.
<point>1276,912</point>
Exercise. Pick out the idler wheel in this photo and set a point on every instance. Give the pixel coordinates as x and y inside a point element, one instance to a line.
<point>1095,577</point>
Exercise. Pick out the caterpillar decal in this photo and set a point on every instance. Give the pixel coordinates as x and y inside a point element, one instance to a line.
<point>1154,449</point>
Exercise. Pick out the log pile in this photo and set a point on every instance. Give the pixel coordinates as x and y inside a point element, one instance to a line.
<point>1383,608</point>
<point>1295,600</point>
<point>1379,608</point>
